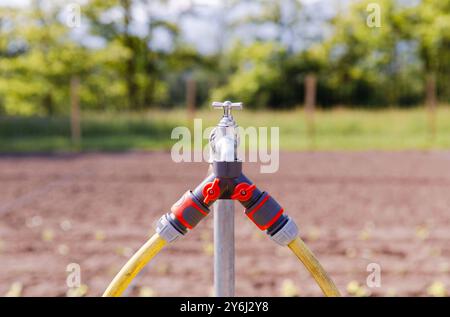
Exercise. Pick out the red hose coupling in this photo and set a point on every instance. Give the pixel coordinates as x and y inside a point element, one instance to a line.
<point>211,191</point>
<point>265,212</point>
<point>243,191</point>
<point>188,211</point>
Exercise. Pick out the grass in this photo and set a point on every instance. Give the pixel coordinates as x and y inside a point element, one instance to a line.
<point>339,129</point>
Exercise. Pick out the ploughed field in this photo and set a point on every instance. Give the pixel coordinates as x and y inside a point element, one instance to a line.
<point>353,209</point>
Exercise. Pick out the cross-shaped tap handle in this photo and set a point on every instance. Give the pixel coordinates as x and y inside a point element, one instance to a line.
<point>227,106</point>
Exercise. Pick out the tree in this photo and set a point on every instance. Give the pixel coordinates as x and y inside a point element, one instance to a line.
<point>429,25</point>
<point>38,59</point>
<point>141,68</point>
<point>369,64</point>
<point>256,76</point>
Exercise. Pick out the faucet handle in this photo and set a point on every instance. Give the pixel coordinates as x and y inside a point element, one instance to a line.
<point>227,106</point>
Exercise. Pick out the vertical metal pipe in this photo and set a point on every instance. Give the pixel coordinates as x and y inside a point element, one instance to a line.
<point>224,149</point>
<point>224,248</point>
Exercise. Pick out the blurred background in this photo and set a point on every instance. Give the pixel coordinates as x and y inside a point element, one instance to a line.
<point>91,90</point>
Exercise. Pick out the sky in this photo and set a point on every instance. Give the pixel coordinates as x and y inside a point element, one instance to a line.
<point>202,30</point>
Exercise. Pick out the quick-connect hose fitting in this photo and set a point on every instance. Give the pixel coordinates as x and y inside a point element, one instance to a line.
<point>185,214</point>
<point>268,215</point>
<point>264,211</point>
<point>167,230</point>
<point>286,233</point>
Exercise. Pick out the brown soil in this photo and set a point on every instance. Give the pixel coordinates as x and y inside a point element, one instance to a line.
<point>352,209</point>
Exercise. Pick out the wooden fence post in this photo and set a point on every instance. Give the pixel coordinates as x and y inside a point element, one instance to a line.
<point>430,101</point>
<point>75,126</point>
<point>310,105</point>
<point>191,91</point>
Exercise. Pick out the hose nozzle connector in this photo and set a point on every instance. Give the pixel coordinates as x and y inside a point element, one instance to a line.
<point>167,230</point>
<point>185,214</point>
<point>286,234</point>
<point>265,212</point>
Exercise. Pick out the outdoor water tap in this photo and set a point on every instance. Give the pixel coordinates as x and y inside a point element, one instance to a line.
<point>224,184</point>
<point>227,106</point>
<point>224,138</point>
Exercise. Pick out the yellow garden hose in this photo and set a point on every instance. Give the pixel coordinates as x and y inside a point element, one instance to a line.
<point>134,265</point>
<point>308,259</point>
<point>155,244</point>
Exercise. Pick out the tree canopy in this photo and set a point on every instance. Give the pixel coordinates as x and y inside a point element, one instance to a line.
<point>264,52</point>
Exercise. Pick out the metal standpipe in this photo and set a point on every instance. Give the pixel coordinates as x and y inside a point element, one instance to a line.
<point>224,184</point>
<point>224,145</point>
<point>224,248</point>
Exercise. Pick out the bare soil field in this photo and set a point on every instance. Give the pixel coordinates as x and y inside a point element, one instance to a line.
<point>353,209</point>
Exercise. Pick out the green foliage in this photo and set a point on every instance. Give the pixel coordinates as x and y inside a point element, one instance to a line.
<point>357,65</point>
<point>39,55</point>
<point>256,70</point>
<point>428,24</point>
<point>354,64</point>
<point>372,65</point>
<point>29,76</point>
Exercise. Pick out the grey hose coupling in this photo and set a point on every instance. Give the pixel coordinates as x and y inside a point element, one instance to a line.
<point>285,234</point>
<point>167,230</point>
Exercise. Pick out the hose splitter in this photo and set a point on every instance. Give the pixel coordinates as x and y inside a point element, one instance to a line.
<point>225,182</point>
